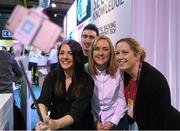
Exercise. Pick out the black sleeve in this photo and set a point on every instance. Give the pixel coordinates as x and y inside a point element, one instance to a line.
<point>160,103</point>
<point>80,105</point>
<point>47,90</point>
<point>16,69</point>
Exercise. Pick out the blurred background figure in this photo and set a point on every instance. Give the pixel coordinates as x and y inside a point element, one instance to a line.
<point>42,64</point>
<point>53,58</point>
<point>11,51</point>
<point>9,70</point>
<point>42,59</point>
<point>32,65</point>
<point>3,48</point>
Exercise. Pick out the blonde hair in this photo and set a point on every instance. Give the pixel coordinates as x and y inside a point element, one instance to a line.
<point>134,46</point>
<point>111,66</point>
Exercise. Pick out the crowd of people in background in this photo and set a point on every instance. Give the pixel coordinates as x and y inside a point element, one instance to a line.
<point>94,85</point>
<point>41,62</point>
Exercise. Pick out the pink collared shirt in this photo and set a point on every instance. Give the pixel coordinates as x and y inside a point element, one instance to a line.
<point>108,101</point>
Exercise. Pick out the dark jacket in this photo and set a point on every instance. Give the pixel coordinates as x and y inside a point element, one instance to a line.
<point>153,108</point>
<point>85,59</point>
<point>8,70</point>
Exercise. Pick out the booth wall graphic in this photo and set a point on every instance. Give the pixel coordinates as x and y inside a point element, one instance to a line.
<point>78,16</point>
<point>113,17</point>
<point>83,10</point>
<point>71,21</point>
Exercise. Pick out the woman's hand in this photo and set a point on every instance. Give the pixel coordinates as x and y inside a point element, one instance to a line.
<point>48,124</point>
<point>104,126</point>
<point>108,125</point>
<point>99,126</point>
<point>41,126</point>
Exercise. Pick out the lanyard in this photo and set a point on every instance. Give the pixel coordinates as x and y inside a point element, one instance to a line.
<point>132,97</point>
<point>138,78</point>
<point>138,75</point>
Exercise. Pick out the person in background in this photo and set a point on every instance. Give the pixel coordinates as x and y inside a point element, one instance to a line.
<point>42,64</point>
<point>3,48</point>
<point>89,32</point>
<point>108,102</point>
<point>9,70</point>
<point>9,73</point>
<point>146,90</point>
<point>11,51</point>
<point>53,57</point>
<point>67,92</point>
<point>42,59</point>
<point>32,64</point>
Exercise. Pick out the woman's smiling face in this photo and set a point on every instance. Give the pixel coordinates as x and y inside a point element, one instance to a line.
<point>65,57</point>
<point>126,58</point>
<point>101,52</point>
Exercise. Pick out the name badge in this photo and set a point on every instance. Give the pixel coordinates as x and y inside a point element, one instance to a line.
<point>130,107</point>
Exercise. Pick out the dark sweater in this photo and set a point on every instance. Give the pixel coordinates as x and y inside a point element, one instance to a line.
<point>8,70</point>
<point>85,59</point>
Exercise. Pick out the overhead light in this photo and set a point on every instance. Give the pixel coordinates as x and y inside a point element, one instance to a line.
<point>53,5</point>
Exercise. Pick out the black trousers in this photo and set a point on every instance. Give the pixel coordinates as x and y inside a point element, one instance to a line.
<point>33,66</point>
<point>19,122</point>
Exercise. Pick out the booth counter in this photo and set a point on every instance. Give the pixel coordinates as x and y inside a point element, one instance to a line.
<point>6,111</point>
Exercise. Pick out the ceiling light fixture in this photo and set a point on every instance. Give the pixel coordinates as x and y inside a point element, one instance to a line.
<point>55,15</point>
<point>53,5</point>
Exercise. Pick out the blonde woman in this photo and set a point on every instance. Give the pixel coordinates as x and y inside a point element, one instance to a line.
<point>108,102</point>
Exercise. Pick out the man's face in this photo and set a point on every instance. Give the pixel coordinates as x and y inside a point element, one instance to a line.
<point>87,39</point>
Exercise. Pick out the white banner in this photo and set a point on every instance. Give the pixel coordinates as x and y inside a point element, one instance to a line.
<point>112,17</point>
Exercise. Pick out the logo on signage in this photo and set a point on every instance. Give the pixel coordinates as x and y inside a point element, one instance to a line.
<point>6,34</point>
<point>82,9</point>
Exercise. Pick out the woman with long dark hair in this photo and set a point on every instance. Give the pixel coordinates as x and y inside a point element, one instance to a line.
<point>67,92</point>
